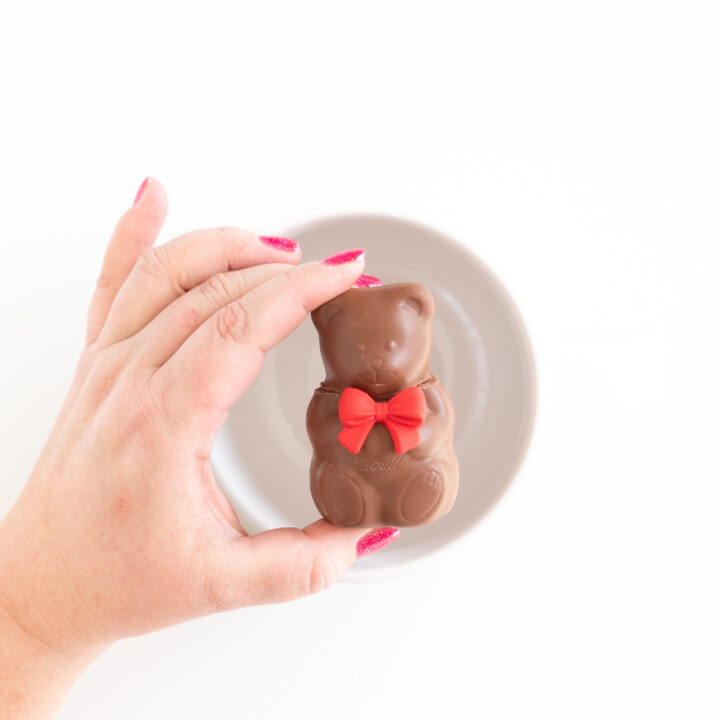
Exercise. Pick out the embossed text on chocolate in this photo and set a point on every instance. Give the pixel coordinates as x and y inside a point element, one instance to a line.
<point>366,462</point>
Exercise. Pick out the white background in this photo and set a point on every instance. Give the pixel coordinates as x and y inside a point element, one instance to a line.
<point>575,147</point>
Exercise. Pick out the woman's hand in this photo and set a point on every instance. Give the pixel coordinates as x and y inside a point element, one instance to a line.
<point>121,528</point>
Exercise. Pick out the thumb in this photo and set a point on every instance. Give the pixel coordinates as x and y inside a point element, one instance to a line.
<point>289,563</point>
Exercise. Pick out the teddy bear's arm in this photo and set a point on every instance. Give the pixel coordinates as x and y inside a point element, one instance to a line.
<point>323,423</point>
<point>437,428</point>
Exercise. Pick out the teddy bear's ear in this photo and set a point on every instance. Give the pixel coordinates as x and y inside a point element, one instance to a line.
<point>322,315</point>
<point>419,301</point>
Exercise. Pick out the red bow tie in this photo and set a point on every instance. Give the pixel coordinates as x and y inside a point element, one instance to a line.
<point>402,416</point>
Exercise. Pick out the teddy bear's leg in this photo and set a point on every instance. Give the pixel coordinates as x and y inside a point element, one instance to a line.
<point>316,470</point>
<point>424,492</point>
<point>337,493</point>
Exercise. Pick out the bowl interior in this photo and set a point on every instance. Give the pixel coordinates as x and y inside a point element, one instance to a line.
<point>481,354</point>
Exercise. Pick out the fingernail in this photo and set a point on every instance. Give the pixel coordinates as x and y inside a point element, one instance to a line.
<point>367,281</point>
<point>141,190</point>
<point>345,257</point>
<point>279,243</point>
<point>376,540</point>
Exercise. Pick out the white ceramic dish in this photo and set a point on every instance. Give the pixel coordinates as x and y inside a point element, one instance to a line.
<point>481,354</point>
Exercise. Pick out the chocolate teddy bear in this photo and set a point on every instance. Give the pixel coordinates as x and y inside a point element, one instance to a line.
<point>380,423</point>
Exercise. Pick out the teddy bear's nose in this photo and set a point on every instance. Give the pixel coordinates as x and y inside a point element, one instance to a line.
<point>376,363</point>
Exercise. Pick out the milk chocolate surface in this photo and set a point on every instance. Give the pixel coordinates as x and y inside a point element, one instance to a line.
<point>390,461</point>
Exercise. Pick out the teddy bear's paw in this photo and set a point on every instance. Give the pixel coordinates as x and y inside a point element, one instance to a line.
<point>343,499</point>
<point>422,495</point>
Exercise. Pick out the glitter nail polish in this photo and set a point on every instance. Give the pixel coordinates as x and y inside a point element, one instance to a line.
<point>141,190</point>
<point>376,540</point>
<point>279,243</point>
<point>344,257</point>
<point>367,281</point>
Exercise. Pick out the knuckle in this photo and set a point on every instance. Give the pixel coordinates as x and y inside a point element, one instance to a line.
<point>235,244</point>
<point>154,263</point>
<point>227,233</point>
<point>192,318</point>
<point>102,368</point>
<point>104,281</point>
<point>224,287</point>
<point>233,322</point>
<point>322,572</point>
<point>232,235</point>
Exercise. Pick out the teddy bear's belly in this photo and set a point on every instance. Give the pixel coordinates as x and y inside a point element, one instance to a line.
<point>378,456</point>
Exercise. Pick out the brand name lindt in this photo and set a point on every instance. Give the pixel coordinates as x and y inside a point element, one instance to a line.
<point>373,463</point>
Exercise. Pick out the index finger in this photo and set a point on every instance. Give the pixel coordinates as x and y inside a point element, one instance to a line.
<point>217,363</point>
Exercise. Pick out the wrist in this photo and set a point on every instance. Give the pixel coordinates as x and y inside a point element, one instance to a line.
<point>34,677</point>
<point>39,661</point>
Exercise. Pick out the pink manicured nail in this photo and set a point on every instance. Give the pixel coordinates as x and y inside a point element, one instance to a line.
<point>367,281</point>
<point>376,540</point>
<point>279,243</point>
<point>141,190</point>
<point>344,257</point>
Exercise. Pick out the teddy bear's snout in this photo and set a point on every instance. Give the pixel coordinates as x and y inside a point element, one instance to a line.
<point>376,363</point>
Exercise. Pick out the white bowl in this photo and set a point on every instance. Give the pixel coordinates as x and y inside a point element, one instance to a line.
<point>481,354</point>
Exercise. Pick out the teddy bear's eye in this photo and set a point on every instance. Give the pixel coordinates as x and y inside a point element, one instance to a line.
<point>360,347</point>
<point>390,344</point>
